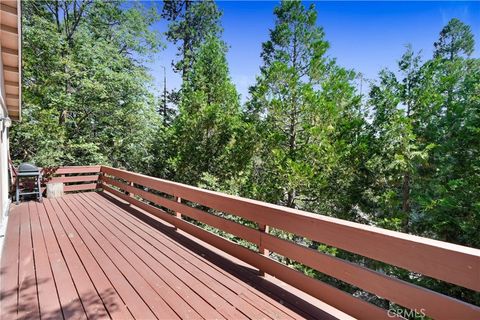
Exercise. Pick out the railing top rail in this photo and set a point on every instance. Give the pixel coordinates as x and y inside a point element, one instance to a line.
<point>71,169</point>
<point>66,169</point>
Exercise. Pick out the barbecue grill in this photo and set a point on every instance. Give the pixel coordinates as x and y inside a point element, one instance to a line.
<point>28,172</point>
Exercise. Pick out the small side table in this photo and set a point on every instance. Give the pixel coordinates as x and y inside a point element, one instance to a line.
<point>54,189</point>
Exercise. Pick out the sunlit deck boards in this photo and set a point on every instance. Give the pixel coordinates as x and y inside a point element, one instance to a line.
<point>88,255</point>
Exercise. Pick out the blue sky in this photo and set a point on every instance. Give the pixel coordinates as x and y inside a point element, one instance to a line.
<point>364,36</point>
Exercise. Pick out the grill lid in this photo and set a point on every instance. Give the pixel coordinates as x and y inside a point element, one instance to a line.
<point>27,167</point>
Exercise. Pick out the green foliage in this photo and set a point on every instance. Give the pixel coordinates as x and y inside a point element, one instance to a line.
<point>451,195</point>
<point>425,130</point>
<point>209,136</point>
<point>399,139</point>
<point>86,98</point>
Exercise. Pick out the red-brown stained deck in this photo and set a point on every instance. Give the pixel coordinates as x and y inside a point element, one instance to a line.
<point>92,256</point>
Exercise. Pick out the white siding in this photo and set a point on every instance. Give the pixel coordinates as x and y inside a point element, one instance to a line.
<point>4,201</point>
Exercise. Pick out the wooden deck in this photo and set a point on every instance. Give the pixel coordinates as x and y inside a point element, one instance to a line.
<point>91,255</point>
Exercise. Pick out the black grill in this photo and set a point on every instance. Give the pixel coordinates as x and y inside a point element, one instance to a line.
<point>28,171</point>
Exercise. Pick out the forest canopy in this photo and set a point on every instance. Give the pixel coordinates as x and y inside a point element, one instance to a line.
<point>405,156</point>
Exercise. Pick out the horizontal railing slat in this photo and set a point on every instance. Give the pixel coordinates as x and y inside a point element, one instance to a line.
<point>70,179</point>
<point>76,169</point>
<point>444,261</point>
<point>335,297</point>
<point>52,171</point>
<point>80,187</point>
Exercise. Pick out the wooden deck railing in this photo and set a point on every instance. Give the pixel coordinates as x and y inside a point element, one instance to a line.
<point>75,178</point>
<point>440,260</point>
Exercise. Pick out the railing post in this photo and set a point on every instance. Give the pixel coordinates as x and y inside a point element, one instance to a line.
<point>100,180</point>
<point>178,214</point>
<point>129,193</point>
<point>263,228</point>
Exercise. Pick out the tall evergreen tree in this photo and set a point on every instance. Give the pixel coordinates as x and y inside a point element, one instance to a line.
<point>423,168</point>
<point>452,198</point>
<point>191,23</point>
<point>456,38</point>
<point>307,114</point>
<point>399,140</point>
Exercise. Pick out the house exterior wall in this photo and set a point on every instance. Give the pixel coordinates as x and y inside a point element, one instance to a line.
<point>4,201</point>
<point>10,82</point>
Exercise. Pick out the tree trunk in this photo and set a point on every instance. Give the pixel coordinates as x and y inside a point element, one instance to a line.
<point>292,146</point>
<point>186,42</point>
<point>406,200</point>
<point>291,198</point>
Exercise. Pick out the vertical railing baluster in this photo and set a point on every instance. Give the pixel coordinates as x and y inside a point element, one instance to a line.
<point>263,228</point>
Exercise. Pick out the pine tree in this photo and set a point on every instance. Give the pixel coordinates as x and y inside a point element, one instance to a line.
<point>307,115</point>
<point>455,38</point>
<point>424,142</point>
<point>191,23</point>
<point>400,141</point>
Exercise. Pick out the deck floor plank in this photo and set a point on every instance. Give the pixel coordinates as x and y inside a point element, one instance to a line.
<point>133,300</point>
<point>70,301</point>
<point>49,302</point>
<point>93,256</point>
<point>267,302</point>
<point>87,292</point>
<point>260,292</point>
<point>27,280</point>
<point>190,296</point>
<point>179,277</point>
